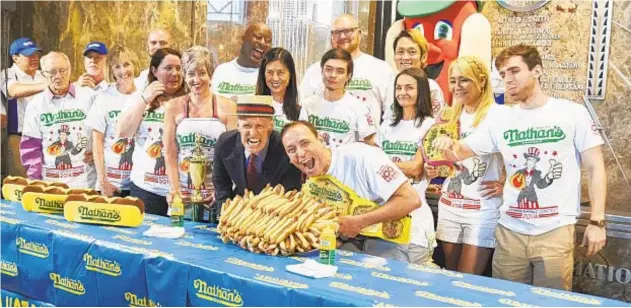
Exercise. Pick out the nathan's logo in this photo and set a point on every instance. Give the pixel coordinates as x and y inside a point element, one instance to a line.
<point>18,194</point>
<point>516,137</point>
<point>113,114</point>
<point>153,116</point>
<point>107,267</point>
<point>67,284</point>
<point>192,139</point>
<point>399,147</point>
<point>329,125</point>
<point>237,88</point>
<point>8,268</point>
<point>95,214</point>
<point>359,84</point>
<point>217,294</point>
<point>135,301</point>
<point>279,122</point>
<point>62,116</point>
<point>322,192</point>
<point>44,204</point>
<point>31,248</point>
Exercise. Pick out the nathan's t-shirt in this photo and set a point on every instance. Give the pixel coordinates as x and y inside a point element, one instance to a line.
<point>280,119</point>
<point>231,80</point>
<point>149,171</point>
<point>460,199</point>
<point>367,170</point>
<point>401,143</point>
<point>60,123</point>
<point>343,121</point>
<point>370,80</point>
<point>436,94</point>
<point>537,145</point>
<point>107,107</point>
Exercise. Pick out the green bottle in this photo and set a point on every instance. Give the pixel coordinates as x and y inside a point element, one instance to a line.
<point>328,244</point>
<point>177,212</point>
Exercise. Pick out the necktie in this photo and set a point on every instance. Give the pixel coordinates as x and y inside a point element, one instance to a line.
<point>250,173</point>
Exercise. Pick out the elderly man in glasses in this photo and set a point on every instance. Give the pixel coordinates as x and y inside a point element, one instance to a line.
<point>54,145</point>
<point>371,76</point>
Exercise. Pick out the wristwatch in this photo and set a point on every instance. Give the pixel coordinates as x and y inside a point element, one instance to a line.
<point>600,223</point>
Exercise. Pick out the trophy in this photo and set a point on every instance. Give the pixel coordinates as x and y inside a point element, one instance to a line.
<point>198,165</point>
<point>433,157</point>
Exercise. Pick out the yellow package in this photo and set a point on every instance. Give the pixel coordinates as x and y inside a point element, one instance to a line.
<point>103,213</point>
<point>347,202</point>
<point>13,186</point>
<point>36,198</point>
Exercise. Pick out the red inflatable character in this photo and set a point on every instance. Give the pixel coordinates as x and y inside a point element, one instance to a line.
<point>452,29</point>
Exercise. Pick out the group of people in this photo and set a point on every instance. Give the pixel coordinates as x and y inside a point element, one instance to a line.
<point>126,132</point>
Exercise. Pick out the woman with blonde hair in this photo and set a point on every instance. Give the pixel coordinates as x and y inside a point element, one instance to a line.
<point>198,118</point>
<point>113,156</point>
<point>143,121</point>
<point>410,51</point>
<point>468,208</point>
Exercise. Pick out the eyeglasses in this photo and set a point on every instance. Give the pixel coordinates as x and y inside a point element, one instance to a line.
<point>54,72</point>
<point>346,32</point>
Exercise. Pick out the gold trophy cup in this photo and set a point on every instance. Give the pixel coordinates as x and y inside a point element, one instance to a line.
<point>198,165</point>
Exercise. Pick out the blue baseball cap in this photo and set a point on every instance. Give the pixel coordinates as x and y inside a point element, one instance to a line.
<point>23,46</point>
<point>97,47</point>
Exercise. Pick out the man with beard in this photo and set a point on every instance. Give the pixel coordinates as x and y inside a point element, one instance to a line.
<point>366,170</point>
<point>94,57</point>
<point>239,76</point>
<point>20,83</point>
<point>252,156</point>
<point>157,39</point>
<point>370,77</point>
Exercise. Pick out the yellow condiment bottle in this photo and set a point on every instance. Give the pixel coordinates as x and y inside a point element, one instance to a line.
<point>328,245</point>
<point>177,212</point>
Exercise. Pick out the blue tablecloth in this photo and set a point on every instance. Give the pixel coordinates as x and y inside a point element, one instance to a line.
<point>47,259</point>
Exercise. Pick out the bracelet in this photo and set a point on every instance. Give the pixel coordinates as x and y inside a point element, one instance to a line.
<point>143,99</point>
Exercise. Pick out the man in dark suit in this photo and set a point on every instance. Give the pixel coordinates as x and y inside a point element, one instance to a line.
<point>253,155</point>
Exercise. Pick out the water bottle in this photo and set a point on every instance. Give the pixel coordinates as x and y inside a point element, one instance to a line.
<point>177,212</point>
<point>328,245</point>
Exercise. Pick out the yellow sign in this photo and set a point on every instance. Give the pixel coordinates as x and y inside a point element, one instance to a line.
<point>446,299</point>
<point>43,202</point>
<point>360,290</point>
<point>136,301</point>
<point>347,202</point>
<point>8,268</point>
<point>67,284</point>
<point>255,266</point>
<point>103,213</point>
<point>31,248</point>
<point>217,294</point>
<point>104,266</point>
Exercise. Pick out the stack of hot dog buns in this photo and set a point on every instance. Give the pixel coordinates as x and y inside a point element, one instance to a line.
<point>115,211</point>
<point>275,222</point>
<point>13,186</point>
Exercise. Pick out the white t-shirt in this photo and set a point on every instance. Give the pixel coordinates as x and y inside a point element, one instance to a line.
<point>149,171</point>
<point>102,86</point>
<point>436,93</point>
<point>531,143</point>
<point>366,170</point>
<point>60,123</point>
<point>107,107</point>
<point>16,75</point>
<point>371,77</point>
<point>344,121</point>
<point>460,199</point>
<point>231,80</point>
<point>141,80</point>
<point>401,143</point>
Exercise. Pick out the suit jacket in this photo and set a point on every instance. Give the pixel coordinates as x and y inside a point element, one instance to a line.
<point>229,167</point>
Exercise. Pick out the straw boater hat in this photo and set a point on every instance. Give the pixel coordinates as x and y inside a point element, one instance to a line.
<point>255,106</point>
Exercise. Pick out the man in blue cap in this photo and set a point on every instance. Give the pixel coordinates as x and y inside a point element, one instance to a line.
<point>94,61</point>
<point>19,84</point>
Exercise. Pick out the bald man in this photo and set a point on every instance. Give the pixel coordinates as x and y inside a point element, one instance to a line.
<point>239,76</point>
<point>157,38</point>
<point>371,76</point>
<point>55,139</point>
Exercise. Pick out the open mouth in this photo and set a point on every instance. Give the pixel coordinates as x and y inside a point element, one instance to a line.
<point>257,53</point>
<point>308,163</point>
<point>275,84</point>
<point>406,64</point>
<point>253,142</point>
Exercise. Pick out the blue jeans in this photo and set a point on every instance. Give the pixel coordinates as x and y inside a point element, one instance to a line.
<point>154,204</point>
